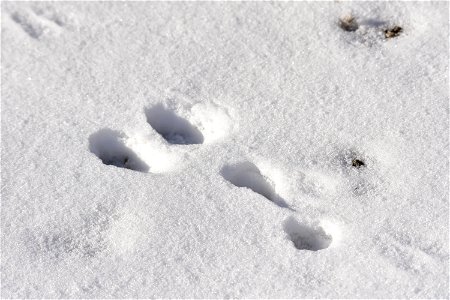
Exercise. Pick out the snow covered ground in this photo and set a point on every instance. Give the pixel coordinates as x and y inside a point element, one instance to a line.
<point>224,149</point>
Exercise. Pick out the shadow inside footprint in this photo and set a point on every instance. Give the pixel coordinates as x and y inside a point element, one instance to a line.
<point>171,127</point>
<point>32,28</point>
<point>246,174</point>
<point>305,237</point>
<point>108,145</point>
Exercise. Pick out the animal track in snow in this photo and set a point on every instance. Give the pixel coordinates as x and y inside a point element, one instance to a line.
<point>28,24</point>
<point>109,146</point>
<point>305,237</point>
<point>141,153</point>
<point>135,153</point>
<point>209,123</point>
<point>203,123</point>
<point>246,174</point>
<point>39,21</point>
<point>174,129</point>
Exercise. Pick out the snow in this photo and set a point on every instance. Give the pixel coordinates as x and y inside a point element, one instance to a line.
<point>224,150</point>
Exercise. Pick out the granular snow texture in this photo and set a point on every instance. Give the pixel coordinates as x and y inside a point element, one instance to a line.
<point>224,149</point>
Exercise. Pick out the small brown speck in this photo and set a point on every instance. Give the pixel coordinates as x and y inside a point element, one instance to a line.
<point>393,32</point>
<point>357,163</point>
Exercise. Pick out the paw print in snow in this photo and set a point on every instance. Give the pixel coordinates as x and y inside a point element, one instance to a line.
<point>143,153</point>
<point>186,130</point>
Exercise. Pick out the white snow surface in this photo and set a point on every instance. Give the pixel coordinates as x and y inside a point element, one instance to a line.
<point>228,133</point>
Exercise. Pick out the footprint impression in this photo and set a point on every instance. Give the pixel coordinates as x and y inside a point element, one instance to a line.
<point>246,174</point>
<point>174,129</point>
<point>307,237</point>
<point>110,147</point>
<point>42,21</point>
<point>304,236</point>
<point>207,123</point>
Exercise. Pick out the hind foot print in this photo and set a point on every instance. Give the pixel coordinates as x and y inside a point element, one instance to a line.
<point>109,146</point>
<point>204,123</point>
<point>307,237</point>
<point>173,128</point>
<point>136,153</point>
<point>246,174</point>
